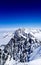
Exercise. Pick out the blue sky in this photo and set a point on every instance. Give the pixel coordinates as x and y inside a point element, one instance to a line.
<point>23,13</point>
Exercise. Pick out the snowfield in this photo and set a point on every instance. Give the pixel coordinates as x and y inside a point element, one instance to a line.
<point>20,46</point>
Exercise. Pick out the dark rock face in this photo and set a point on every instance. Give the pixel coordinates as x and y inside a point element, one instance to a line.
<point>19,47</point>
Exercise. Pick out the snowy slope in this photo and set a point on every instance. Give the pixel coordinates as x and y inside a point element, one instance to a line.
<point>5,37</point>
<point>35,62</point>
<point>36,54</point>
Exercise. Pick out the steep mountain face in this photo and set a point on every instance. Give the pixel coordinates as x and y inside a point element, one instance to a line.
<point>22,47</point>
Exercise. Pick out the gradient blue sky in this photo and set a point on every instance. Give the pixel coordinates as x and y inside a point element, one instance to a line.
<point>20,13</point>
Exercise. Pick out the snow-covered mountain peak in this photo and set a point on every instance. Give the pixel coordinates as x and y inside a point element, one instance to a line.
<point>22,45</point>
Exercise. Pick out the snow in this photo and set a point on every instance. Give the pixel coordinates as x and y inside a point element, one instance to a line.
<point>38,36</point>
<point>5,37</point>
<point>35,62</point>
<point>36,54</point>
<point>35,32</point>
